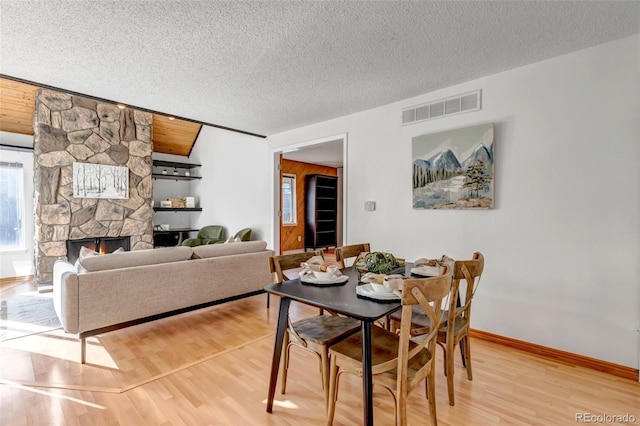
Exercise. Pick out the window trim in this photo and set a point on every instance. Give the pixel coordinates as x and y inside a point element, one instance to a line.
<point>294,199</point>
<point>22,247</point>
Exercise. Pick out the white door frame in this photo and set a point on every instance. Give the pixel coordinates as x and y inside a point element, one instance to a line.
<point>275,222</point>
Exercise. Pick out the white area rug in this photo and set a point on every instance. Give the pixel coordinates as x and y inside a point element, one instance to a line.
<point>27,313</point>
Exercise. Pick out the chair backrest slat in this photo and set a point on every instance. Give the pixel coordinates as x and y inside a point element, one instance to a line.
<point>470,271</point>
<point>279,264</point>
<point>347,252</point>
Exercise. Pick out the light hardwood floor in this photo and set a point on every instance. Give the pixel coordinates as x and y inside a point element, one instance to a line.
<point>211,367</point>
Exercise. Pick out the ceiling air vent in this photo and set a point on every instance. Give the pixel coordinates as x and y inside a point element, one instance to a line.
<point>465,102</point>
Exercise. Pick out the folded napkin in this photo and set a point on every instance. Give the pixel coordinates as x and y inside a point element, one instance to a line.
<point>425,262</point>
<point>432,267</point>
<point>394,282</point>
<point>427,271</point>
<point>316,263</point>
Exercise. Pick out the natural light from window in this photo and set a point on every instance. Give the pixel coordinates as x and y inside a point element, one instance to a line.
<point>11,207</point>
<point>289,200</point>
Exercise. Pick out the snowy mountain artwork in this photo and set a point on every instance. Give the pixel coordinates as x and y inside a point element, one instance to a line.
<point>100,181</point>
<point>454,169</point>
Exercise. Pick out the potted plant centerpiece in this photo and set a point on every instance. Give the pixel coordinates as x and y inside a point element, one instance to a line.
<point>379,262</point>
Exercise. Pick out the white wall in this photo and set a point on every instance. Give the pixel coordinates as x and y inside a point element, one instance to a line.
<point>562,246</point>
<point>235,190</point>
<point>20,263</point>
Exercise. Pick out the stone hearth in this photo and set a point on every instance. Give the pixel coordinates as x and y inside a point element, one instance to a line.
<point>70,129</point>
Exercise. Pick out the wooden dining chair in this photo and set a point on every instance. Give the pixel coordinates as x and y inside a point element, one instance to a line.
<point>314,334</point>
<point>455,324</point>
<point>398,363</point>
<point>351,251</point>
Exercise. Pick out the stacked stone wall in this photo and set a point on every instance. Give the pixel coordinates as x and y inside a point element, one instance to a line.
<point>70,129</point>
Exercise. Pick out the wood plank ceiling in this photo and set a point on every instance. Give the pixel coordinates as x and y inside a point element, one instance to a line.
<point>17,105</point>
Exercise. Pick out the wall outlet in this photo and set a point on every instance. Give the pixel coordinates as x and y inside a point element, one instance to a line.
<point>299,238</point>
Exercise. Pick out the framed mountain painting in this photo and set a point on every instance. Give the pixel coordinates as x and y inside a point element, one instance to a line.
<point>454,169</point>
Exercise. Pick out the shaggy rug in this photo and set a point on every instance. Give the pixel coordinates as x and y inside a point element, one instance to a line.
<point>25,314</point>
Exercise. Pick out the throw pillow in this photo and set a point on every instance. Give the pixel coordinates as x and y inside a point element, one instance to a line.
<point>87,252</point>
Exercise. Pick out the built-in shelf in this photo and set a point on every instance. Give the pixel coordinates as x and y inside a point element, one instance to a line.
<point>174,177</point>
<point>320,213</point>
<point>173,164</point>
<point>177,209</point>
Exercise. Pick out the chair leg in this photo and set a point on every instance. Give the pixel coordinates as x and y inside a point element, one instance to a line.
<point>401,408</point>
<point>431,395</point>
<point>268,299</point>
<point>450,371</point>
<point>467,356</point>
<point>324,359</point>
<point>462,354</point>
<point>444,357</point>
<point>426,387</point>
<point>333,386</point>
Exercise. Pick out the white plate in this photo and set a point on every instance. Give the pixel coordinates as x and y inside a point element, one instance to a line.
<point>319,281</point>
<point>367,291</point>
<point>426,271</point>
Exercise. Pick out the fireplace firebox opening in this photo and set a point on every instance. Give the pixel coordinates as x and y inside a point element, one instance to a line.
<point>100,245</point>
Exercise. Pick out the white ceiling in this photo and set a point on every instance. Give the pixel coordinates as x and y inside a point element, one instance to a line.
<point>326,154</point>
<point>266,67</point>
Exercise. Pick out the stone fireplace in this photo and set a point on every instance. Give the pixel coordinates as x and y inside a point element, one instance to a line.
<point>70,129</point>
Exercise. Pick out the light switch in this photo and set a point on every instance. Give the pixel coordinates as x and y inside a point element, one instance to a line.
<point>369,206</point>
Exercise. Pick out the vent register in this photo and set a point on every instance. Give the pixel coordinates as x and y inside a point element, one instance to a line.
<point>458,104</point>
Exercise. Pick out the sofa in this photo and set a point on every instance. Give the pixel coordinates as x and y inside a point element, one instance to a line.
<point>105,292</point>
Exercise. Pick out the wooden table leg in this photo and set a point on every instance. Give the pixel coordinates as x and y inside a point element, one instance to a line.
<point>367,376</point>
<point>277,349</point>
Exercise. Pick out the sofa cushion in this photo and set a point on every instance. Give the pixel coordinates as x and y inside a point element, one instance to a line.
<point>136,258</point>
<point>216,250</point>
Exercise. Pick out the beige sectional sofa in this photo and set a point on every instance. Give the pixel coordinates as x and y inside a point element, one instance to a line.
<point>111,291</point>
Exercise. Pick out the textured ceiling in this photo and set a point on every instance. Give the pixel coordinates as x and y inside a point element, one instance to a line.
<point>327,154</point>
<point>266,67</point>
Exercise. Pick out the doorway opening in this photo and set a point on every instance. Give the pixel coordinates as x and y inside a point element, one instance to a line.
<point>293,163</point>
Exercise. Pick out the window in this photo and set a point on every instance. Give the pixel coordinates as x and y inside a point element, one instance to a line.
<point>289,200</point>
<point>11,207</point>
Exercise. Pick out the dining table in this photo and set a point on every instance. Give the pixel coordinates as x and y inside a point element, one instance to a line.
<point>339,298</point>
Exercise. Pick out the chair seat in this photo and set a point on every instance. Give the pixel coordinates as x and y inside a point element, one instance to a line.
<point>384,348</point>
<point>325,329</point>
<point>420,319</point>
<point>460,324</point>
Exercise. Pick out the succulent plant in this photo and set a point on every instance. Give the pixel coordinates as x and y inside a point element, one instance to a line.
<point>379,262</point>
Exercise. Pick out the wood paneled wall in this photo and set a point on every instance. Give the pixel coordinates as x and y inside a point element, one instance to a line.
<point>289,234</point>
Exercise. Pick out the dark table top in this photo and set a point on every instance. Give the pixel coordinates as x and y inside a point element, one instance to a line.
<point>341,298</point>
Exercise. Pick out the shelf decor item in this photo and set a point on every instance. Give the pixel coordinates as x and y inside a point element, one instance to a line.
<point>178,202</point>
